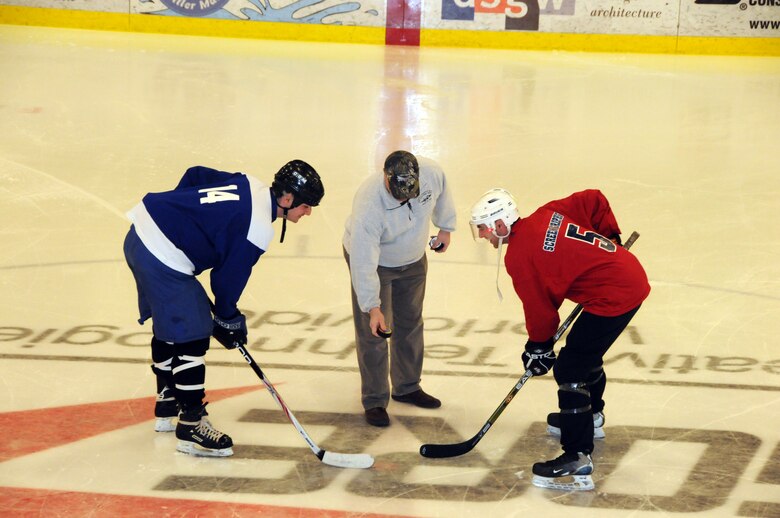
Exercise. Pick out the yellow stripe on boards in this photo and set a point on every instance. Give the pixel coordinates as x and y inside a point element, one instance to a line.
<point>728,46</point>
<point>525,40</point>
<point>65,18</point>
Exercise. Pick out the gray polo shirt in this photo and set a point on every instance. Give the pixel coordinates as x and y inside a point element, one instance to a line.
<point>382,232</point>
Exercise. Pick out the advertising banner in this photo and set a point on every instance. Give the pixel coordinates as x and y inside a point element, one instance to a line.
<point>99,6</point>
<point>365,13</point>
<point>752,18</point>
<point>650,17</point>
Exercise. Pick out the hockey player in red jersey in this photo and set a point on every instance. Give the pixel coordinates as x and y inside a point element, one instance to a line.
<point>567,249</point>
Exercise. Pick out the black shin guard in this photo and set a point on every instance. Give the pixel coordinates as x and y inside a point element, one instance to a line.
<point>189,372</point>
<point>597,382</point>
<point>576,417</point>
<point>162,356</point>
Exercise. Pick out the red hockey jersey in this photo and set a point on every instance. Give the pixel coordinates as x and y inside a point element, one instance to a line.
<point>562,251</point>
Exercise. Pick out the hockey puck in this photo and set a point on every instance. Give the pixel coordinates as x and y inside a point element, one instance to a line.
<point>435,248</point>
<point>384,333</point>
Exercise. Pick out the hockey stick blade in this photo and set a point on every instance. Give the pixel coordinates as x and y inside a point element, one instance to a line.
<point>440,451</point>
<point>444,451</point>
<point>347,460</point>
<point>338,460</point>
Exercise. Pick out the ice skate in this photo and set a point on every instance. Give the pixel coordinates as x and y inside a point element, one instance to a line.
<point>198,437</point>
<point>554,425</point>
<point>165,411</point>
<point>569,472</point>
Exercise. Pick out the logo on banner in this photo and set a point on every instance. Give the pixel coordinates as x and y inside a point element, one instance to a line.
<point>520,15</point>
<point>754,5</point>
<point>195,7</point>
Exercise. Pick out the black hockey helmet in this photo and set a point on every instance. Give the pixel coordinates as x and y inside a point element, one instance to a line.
<point>403,175</point>
<point>301,180</point>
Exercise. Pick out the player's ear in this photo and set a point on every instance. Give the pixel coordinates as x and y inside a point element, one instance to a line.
<point>286,200</point>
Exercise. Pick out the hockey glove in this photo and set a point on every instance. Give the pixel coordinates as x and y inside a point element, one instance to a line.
<point>539,357</point>
<point>230,332</point>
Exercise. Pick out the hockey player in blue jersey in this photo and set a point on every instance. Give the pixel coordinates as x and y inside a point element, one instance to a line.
<point>215,221</point>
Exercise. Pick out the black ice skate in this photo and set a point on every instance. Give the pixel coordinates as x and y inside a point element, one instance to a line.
<point>569,472</point>
<point>197,436</point>
<point>165,411</point>
<point>554,425</point>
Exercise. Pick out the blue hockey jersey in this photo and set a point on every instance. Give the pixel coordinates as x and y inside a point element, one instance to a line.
<point>211,220</point>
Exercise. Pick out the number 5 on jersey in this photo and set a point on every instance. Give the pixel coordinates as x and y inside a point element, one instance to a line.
<point>590,237</point>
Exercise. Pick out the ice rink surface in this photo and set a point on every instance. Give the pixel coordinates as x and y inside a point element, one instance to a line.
<point>684,147</point>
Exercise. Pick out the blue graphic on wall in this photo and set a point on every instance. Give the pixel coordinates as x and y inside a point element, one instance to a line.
<point>255,10</point>
<point>519,15</point>
<point>194,8</point>
<point>450,10</point>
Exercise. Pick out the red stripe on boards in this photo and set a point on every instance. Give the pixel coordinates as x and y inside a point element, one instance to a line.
<point>403,22</point>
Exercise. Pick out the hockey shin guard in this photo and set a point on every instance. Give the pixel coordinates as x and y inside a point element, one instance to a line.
<point>576,418</point>
<point>189,372</point>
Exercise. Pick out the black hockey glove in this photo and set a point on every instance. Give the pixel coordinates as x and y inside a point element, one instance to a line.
<point>539,357</point>
<point>230,332</point>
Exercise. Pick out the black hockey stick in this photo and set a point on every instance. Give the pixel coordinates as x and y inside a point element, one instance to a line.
<point>339,460</point>
<point>439,451</point>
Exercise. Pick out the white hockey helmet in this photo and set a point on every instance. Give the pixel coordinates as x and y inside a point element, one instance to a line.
<point>493,205</point>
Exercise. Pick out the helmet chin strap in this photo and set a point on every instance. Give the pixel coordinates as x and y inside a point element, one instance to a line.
<point>284,225</point>
<point>498,262</point>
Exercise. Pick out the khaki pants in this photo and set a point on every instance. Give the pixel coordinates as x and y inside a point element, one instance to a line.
<point>402,291</point>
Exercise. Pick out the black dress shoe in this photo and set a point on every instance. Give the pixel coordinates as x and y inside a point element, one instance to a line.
<point>377,417</point>
<point>419,398</point>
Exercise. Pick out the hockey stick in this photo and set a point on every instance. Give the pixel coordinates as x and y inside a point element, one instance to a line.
<point>339,460</point>
<point>439,451</point>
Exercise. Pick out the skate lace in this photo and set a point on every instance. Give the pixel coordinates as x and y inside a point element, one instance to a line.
<point>206,430</point>
<point>563,458</point>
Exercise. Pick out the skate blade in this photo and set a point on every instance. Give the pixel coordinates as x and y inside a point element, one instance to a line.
<point>571,483</point>
<point>198,451</point>
<point>164,424</point>
<point>598,433</point>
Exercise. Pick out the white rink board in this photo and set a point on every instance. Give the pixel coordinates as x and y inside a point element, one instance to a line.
<point>735,18</point>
